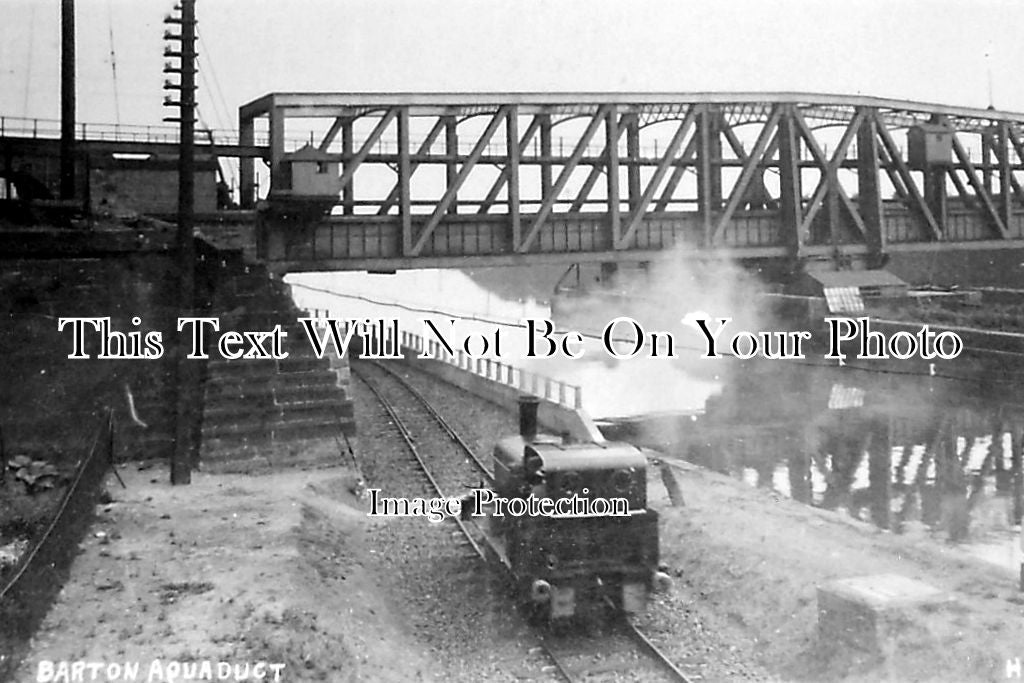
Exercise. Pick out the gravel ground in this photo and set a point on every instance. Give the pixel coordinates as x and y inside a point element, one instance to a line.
<point>459,612</point>
<point>674,621</point>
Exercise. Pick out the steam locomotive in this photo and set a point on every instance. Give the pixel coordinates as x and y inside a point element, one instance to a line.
<point>595,542</point>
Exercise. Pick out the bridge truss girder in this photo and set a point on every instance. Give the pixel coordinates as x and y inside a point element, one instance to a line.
<point>507,190</point>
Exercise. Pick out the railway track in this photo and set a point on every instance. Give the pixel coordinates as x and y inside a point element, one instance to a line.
<point>624,652</point>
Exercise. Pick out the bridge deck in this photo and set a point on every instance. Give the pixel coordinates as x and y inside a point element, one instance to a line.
<point>432,178</point>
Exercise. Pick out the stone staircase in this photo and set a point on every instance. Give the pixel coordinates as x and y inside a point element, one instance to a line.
<point>262,413</point>
<point>53,404</point>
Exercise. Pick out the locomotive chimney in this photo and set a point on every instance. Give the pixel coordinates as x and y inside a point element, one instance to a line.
<point>528,417</point>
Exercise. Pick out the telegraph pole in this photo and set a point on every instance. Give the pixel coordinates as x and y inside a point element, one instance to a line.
<point>186,384</point>
<point>67,99</point>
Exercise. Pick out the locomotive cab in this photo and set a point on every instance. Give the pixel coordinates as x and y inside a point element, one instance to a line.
<point>596,543</point>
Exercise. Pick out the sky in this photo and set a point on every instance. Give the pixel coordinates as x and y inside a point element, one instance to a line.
<point>933,51</point>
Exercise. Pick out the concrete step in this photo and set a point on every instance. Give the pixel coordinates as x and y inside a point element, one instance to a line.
<point>275,431</point>
<point>274,418</point>
<point>256,367</point>
<point>253,457</point>
<point>290,387</point>
<point>233,370</point>
<point>239,412</point>
<point>242,398</point>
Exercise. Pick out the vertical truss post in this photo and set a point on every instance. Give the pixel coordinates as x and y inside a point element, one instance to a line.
<point>632,122</point>
<point>611,130</point>
<point>349,172</point>
<point>869,195</point>
<point>503,176</point>
<point>468,164</point>
<point>277,118</point>
<point>935,194</point>
<point>789,180</point>
<point>829,189</point>
<point>424,148</point>
<point>661,170</point>
<point>1005,176</point>
<point>751,165</point>
<point>348,193</point>
<point>512,147</point>
<point>247,165</point>
<point>545,154</point>
<point>988,144</point>
<point>568,166</point>
<point>451,146</point>
<point>904,182</point>
<point>709,169</point>
<point>595,174</point>
<point>984,197</point>
<point>404,180</point>
<point>834,226</point>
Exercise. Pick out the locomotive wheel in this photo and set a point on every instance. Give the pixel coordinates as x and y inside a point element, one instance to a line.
<point>537,614</point>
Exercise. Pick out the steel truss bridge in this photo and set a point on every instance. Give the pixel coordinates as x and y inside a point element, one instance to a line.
<point>479,179</point>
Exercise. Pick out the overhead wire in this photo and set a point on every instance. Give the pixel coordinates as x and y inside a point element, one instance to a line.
<point>721,352</point>
<point>217,101</point>
<point>28,60</point>
<point>113,62</point>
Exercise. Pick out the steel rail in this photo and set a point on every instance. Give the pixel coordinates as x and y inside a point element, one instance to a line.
<point>560,664</point>
<point>646,644</point>
<point>410,442</point>
<point>558,660</point>
<point>445,425</point>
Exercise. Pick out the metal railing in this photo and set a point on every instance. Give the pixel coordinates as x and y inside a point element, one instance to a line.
<point>563,393</point>
<point>40,573</point>
<point>548,388</point>
<point>17,126</point>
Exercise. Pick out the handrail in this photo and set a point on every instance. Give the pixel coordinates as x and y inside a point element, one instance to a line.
<point>36,128</point>
<point>548,388</point>
<point>563,393</point>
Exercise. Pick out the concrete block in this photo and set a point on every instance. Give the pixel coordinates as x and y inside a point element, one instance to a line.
<point>870,613</point>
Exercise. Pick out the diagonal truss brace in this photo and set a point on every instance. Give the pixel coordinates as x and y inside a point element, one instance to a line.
<point>336,127</point>
<point>659,175</point>
<point>364,151</point>
<point>979,188</point>
<point>677,175</point>
<point>596,171</point>
<point>830,168</point>
<point>424,148</point>
<point>995,147</point>
<point>563,178</point>
<point>750,166</point>
<point>449,196</point>
<point>913,194</point>
<point>503,177</point>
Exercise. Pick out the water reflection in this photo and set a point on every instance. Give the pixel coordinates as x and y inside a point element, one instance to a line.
<point>905,452</point>
<point>910,453</point>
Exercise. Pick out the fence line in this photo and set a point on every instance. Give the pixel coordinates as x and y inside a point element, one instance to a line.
<point>26,596</point>
<point>548,388</point>
<point>557,391</point>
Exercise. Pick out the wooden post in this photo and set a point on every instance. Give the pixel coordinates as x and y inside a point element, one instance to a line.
<point>185,445</point>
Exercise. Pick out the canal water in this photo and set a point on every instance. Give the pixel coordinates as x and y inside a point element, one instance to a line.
<point>912,449</point>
